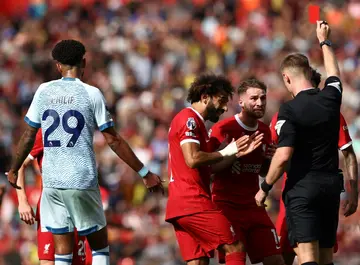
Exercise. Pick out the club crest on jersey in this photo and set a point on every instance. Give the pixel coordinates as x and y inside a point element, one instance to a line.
<point>191,124</point>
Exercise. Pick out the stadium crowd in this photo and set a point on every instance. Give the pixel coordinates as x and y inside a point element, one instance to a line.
<point>143,55</point>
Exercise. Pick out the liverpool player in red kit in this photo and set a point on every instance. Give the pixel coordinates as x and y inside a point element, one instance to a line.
<point>46,251</point>
<point>235,186</point>
<point>199,226</point>
<point>345,145</point>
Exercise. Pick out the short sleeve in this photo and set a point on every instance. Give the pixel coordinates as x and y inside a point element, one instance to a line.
<point>32,117</point>
<point>38,147</point>
<point>274,136</point>
<point>344,137</point>
<point>217,137</point>
<point>333,86</point>
<point>188,130</point>
<point>285,127</point>
<point>102,115</point>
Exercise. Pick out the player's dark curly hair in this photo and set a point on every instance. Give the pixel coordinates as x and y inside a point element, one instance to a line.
<point>209,84</point>
<point>251,82</point>
<point>69,52</point>
<point>315,78</point>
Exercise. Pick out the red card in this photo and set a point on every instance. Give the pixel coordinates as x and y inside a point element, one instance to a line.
<point>314,13</point>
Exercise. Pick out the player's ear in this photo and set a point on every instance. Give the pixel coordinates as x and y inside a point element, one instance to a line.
<point>205,98</point>
<point>286,78</point>
<point>59,67</point>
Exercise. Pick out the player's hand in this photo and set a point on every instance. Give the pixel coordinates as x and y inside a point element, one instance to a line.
<point>26,213</point>
<point>322,30</point>
<point>270,151</point>
<point>153,182</point>
<point>260,198</point>
<point>254,142</point>
<point>12,178</point>
<point>351,203</point>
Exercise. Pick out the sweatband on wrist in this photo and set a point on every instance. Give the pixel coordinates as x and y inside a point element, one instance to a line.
<point>266,187</point>
<point>143,172</point>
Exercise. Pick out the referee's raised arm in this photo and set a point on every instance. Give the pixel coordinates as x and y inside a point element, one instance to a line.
<point>330,62</point>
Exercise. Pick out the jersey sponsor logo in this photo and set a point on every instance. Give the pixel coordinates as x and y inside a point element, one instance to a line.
<point>278,126</point>
<point>46,248</point>
<point>238,168</point>
<point>191,124</point>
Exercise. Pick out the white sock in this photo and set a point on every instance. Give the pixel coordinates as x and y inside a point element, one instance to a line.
<point>100,257</point>
<point>63,259</point>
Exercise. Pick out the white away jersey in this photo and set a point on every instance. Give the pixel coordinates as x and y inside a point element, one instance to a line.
<point>68,111</point>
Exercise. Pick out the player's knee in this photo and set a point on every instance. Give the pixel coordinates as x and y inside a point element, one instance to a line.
<point>99,239</point>
<point>235,247</point>
<point>274,260</point>
<point>199,261</point>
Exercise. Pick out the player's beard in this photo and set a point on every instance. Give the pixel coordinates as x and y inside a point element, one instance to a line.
<point>213,113</point>
<point>255,114</point>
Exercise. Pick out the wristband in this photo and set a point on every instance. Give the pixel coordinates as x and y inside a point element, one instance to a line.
<point>266,187</point>
<point>143,172</point>
<point>229,150</point>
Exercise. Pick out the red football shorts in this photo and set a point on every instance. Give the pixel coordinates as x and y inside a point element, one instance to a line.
<point>281,229</point>
<point>200,233</point>
<point>254,228</point>
<point>46,250</point>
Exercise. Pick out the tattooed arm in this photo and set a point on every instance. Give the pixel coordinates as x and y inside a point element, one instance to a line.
<point>24,147</point>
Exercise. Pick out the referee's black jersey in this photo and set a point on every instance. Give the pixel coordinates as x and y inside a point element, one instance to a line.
<point>310,124</point>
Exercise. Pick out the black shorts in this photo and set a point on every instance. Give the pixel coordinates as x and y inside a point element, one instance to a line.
<point>312,209</point>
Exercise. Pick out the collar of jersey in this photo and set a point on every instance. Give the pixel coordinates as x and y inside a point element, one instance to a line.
<point>244,126</point>
<point>69,79</point>
<point>197,113</point>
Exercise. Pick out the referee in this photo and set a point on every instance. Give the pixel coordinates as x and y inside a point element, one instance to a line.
<point>308,129</point>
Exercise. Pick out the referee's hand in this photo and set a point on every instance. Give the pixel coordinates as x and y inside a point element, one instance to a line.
<point>322,30</point>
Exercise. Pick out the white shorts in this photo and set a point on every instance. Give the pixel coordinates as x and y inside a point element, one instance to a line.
<point>62,210</point>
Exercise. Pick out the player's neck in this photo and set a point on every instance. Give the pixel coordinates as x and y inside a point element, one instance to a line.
<point>73,73</point>
<point>247,120</point>
<point>199,107</point>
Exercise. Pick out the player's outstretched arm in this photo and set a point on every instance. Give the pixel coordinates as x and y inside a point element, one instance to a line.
<point>330,62</point>
<point>351,168</point>
<point>195,158</point>
<point>24,147</point>
<point>123,150</point>
<point>25,210</point>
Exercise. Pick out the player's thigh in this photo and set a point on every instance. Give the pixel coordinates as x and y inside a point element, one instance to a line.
<point>79,251</point>
<point>262,239</point>
<point>86,210</point>
<point>210,228</point>
<point>56,218</point>
<point>190,249</point>
<point>282,232</point>
<point>45,242</point>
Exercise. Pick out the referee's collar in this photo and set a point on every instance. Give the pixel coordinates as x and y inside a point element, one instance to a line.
<point>308,89</point>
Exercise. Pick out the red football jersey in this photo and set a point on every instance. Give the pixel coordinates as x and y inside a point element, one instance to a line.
<point>344,136</point>
<point>240,183</point>
<point>189,188</point>
<point>37,152</point>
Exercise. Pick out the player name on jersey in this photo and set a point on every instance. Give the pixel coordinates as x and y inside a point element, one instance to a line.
<point>62,100</point>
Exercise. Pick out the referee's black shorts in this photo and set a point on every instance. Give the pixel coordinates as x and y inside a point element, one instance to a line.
<point>312,209</point>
